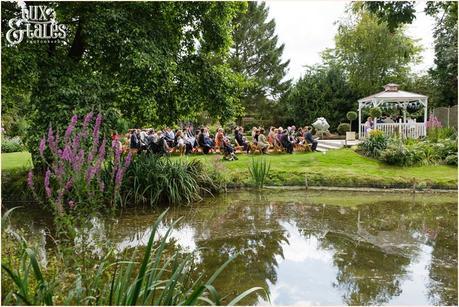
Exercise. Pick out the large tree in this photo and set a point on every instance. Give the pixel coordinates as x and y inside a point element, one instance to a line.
<point>445,34</point>
<point>257,55</point>
<point>149,62</point>
<point>322,92</point>
<point>444,73</point>
<point>371,54</point>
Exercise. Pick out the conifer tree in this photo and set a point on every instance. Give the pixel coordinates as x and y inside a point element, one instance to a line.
<point>257,55</point>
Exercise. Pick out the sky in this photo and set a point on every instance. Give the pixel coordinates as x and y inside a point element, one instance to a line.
<point>308,27</point>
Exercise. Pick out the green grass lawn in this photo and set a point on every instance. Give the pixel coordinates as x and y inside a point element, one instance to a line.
<point>342,167</point>
<point>16,160</point>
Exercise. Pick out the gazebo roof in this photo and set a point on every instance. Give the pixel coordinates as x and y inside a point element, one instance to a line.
<point>392,94</point>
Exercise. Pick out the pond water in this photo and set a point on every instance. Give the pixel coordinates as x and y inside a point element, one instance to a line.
<point>308,247</point>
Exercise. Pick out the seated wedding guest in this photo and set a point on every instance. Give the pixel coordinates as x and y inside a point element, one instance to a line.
<point>219,138</point>
<point>254,132</point>
<point>189,141</point>
<point>262,141</point>
<point>203,142</point>
<point>240,139</point>
<point>285,141</point>
<point>228,149</point>
<point>309,138</point>
<point>169,136</point>
<point>180,141</point>
<point>134,143</point>
<point>368,125</point>
<point>151,137</point>
<point>271,136</point>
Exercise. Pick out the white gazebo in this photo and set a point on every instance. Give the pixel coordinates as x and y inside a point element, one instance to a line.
<point>392,98</point>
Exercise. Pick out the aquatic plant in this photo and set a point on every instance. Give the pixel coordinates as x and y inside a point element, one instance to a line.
<point>259,171</point>
<point>157,279</point>
<point>152,179</point>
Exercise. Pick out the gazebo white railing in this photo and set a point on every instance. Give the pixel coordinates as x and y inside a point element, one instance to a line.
<point>392,97</point>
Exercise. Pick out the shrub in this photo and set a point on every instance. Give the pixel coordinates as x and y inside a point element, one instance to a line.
<point>396,154</point>
<point>451,159</point>
<point>343,128</point>
<point>351,115</point>
<point>374,144</point>
<point>259,171</point>
<point>375,112</point>
<point>434,134</point>
<point>12,144</point>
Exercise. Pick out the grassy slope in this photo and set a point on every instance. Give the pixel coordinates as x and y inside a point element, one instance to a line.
<point>335,168</point>
<point>340,168</point>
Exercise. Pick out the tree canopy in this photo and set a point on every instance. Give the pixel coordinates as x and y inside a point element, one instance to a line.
<point>150,62</point>
<point>370,54</point>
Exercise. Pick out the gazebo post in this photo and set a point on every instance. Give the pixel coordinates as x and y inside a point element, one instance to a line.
<point>425,116</point>
<point>360,121</point>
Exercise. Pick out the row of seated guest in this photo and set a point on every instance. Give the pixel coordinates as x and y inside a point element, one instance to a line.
<point>187,140</point>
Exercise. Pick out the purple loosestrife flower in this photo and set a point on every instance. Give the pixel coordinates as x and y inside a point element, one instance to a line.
<point>90,173</point>
<point>67,154</point>
<point>78,160</point>
<point>47,187</point>
<point>30,179</point>
<point>59,171</point>
<point>117,152</point>
<point>119,177</point>
<point>70,128</point>
<point>71,204</point>
<point>102,149</point>
<point>76,143</point>
<point>69,184</point>
<point>128,160</point>
<point>95,133</point>
<point>42,146</point>
<point>86,121</point>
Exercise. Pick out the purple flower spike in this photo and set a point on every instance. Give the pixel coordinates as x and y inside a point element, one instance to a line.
<point>47,187</point>
<point>69,184</point>
<point>128,160</point>
<point>97,126</point>
<point>119,177</point>
<point>71,204</point>
<point>42,146</point>
<point>30,179</point>
<point>70,128</point>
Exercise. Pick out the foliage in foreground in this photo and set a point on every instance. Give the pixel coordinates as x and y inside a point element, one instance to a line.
<point>152,179</point>
<point>157,279</point>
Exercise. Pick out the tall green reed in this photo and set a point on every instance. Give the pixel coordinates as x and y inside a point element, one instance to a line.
<point>152,179</point>
<point>157,279</point>
<point>259,171</point>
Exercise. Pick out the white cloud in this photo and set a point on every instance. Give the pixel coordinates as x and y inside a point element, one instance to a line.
<point>308,27</point>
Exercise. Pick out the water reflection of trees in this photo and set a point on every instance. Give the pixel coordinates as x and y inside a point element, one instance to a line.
<point>374,244</point>
<point>253,232</point>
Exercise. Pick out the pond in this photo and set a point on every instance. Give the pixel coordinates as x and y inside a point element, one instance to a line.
<point>307,247</point>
